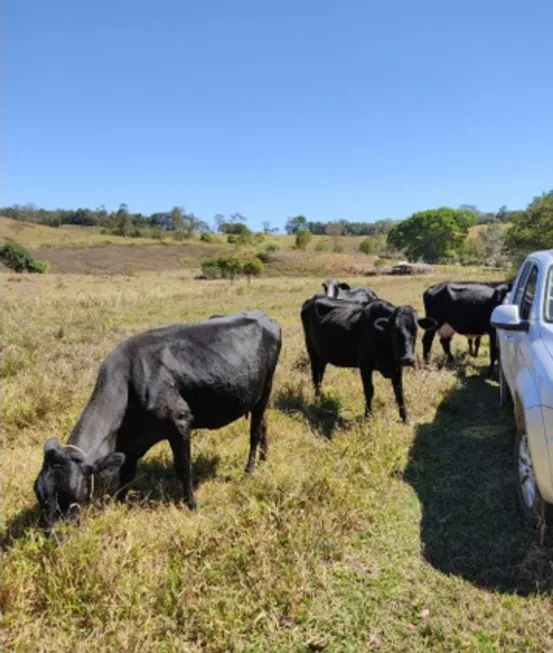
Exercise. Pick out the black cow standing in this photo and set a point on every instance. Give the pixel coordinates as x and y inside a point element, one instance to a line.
<point>376,336</point>
<point>159,385</point>
<point>335,289</point>
<point>463,308</point>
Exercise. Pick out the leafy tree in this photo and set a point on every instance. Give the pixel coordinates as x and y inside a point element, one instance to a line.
<point>303,238</point>
<point>532,230</point>
<point>177,221</point>
<point>252,267</point>
<point>432,235</point>
<point>297,224</point>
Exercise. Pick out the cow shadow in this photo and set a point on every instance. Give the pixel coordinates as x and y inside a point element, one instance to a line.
<point>323,416</point>
<point>155,482</point>
<point>461,467</point>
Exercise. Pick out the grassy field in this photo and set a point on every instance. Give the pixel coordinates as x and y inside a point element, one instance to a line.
<point>355,535</point>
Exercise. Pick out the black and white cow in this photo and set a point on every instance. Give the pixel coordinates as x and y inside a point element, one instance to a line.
<point>376,336</point>
<point>335,289</point>
<point>159,385</point>
<point>464,308</point>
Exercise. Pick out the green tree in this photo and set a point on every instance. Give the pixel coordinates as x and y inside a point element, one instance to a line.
<point>432,235</point>
<point>303,238</point>
<point>252,267</point>
<point>176,217</point>
<point>294,225</point>
<point>532,229</point>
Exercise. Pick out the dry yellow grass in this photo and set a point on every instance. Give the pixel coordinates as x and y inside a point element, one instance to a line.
<point>355,535</point>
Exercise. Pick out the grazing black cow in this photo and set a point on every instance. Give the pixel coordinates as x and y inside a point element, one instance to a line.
<point>376,336</point>
<point>159,385</point>
<point>463,308</point>
<point>335,289</point>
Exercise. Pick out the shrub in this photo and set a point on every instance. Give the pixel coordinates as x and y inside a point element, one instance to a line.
<point>207,237</point>
<point>367,245</point>
<point>303,238</point>
<point>20,259</point>
<point>271,246</point>
<point>136,233</point>
<point>179,235</point>
<point>252,267</point>
<point>232,239</point>
<point>211,268</point>
<point>322,246</point>
<point>380,262</point>
<point>157,233</point>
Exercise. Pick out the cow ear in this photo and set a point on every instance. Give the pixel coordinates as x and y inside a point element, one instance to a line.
<point>344,286</point>
<point>427,323</point>
<point>107,465</point>
<point>381,324</point>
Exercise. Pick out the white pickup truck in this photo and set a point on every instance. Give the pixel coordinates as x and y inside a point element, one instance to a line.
<point>525,339</point>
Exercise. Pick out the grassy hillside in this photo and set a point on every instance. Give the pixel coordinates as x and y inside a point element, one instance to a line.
<point>84,250</point>
<point>356,535</point>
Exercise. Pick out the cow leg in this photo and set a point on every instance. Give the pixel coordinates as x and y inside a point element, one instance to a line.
<point>176,413</point>
<point>427,340</point>
<point>126,475</point>
<point>477,341</point>
<point>258,431</point>
<point>471,346</point>
<point>180,446</point>
<point>446,346</point>
<point>318,367</point>
<point>397,383</point>
<point>368,387</point>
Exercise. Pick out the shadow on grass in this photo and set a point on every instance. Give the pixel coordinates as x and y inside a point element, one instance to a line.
<point>460,466</point>
<point>155,483</point>
<point>323,417</point>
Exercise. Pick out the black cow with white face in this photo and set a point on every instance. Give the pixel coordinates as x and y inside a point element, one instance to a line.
<point>376,336</point>
<point>335,289</point>
<point>158,385</point>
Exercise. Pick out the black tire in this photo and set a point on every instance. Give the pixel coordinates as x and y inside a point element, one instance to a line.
<point>505,397</point>
<point>532,506</point>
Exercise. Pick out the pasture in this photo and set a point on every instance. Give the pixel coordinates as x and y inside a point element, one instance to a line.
<point>355,534</point>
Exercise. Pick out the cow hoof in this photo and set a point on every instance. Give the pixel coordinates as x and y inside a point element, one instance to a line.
<point>191,504</point>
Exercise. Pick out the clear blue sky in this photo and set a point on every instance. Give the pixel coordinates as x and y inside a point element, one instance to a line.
<point>357,109</point>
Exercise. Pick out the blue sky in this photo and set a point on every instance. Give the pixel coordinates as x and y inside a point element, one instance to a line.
<point>359,110</point>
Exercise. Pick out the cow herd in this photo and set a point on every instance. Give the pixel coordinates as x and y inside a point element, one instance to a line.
<point>161,384</point>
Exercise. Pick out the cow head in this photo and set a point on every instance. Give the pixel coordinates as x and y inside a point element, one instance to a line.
<point>402,329</point>
<point>65,480</point>
<point>501,291</point>
<point>332,287</point>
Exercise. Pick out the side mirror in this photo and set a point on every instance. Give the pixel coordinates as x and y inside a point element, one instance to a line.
<point>507,317</point>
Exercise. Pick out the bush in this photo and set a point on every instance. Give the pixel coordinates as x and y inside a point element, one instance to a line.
<point>322,246</point>
<point>380,262</point>
<point>367,245</point>
<point>136,233</point>
<point>232,239</point>
<point>156,233</point>
<point>207,237</point>
<point>303,238</point>
<point>179,235</point>
<point>271,246</point>
<point>211,268</point>
<point>252,267</point>
<point>20,259</point>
